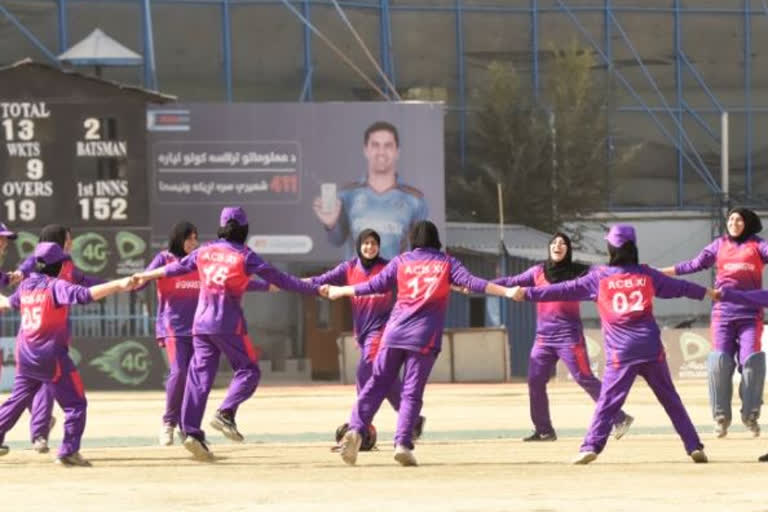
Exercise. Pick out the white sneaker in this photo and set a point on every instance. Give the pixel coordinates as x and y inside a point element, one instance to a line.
<point>699,457</point>
<point>350,445</point>
<point>584,458</point>
<point>405,456</point>
<point>166,435</point>
<point>40,445</point>
<point>622,428</point>
<point>721,426</point>
<point>198,448</point>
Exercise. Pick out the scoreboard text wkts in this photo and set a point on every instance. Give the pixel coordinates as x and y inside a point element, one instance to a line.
<point>73,163</point>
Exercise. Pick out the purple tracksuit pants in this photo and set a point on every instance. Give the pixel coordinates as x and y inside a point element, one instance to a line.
<point>386,367</point>
<point>370,349</point>
<point>67,391</point>
<point>179,353</point>
<point>740,337</point>
<point>41,412</point>
<point>617,383</point>
<point>202,370</point>
<point>541,365</point>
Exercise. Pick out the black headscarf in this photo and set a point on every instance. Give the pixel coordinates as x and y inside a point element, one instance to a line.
<point>55,233</point>
<point>625,255</point>
<point>233,232</point>
<point>365,262</point>
<point>424,235</point>
<point>178,236</point>
<point>563,270</point>
<point>752,224</point>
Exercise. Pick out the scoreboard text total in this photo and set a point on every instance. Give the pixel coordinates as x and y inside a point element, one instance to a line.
<point>69,163</point>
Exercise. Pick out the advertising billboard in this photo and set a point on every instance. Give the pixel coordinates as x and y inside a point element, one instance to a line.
<point>311,176</point>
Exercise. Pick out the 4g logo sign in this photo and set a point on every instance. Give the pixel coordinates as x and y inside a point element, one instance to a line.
<point>128,363</point>
<point>91,251</point>
<point>104,251</point>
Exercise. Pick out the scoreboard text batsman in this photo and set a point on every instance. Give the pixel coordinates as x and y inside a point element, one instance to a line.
<point>76,164</point>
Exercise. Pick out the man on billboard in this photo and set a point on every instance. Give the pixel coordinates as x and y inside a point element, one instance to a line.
<point>380,201</point>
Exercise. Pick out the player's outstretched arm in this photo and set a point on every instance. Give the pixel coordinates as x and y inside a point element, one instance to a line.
<point>100,291</point>
<point>704,260</point>
<point>498,290</point>
<point>583,288</point>
<point>337,292</point>
<point>140,278</point>
<point>754,298</point>
<point>527,278</point>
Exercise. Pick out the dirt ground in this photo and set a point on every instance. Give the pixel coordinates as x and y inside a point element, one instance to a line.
<point>471,458</point>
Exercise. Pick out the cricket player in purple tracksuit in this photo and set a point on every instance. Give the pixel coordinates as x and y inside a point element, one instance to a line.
<point>624,292</point>
<point>413,335</point>
<point>369,316</point>
<point>223,267</point>
<point>754,298</point>
<point>559,335</point>
<point>736,329</point>
<point>42,347</point>
<point>41,410</point>
<point>176,305</point>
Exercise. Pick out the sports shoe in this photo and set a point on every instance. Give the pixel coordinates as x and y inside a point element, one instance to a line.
<point>418,428</point>
<point>752,425</point>
<point>40,445</point>
<point>404,456</point>
<point>699,457</point>
<point>72,460</point>
<point>166,435</point>
<point>538,436</point>
<point>225,423</point>
<point>4,450</point>
<point>350,445</point>
<point>584,458</point>
<point>198,448</point>
<point>622,427</point>
<point>721,426</point>
<point>762,458</point>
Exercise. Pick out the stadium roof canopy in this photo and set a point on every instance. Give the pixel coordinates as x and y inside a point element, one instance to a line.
<point>520,241</point>
<point>98,49</point>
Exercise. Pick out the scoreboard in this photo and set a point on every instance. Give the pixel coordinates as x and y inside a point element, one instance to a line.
<point>76,163</point>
